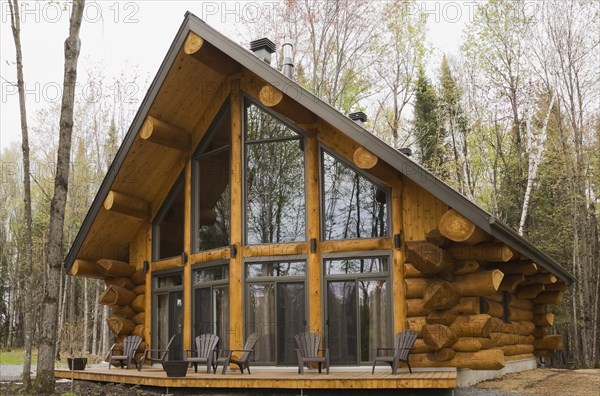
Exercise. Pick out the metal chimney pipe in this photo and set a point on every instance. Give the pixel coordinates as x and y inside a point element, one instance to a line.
<point>288,62</point>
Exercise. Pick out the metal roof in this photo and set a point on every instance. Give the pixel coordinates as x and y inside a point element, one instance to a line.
<point>326,112</point>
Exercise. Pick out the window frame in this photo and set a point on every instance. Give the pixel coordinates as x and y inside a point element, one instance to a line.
<point>179,184</point>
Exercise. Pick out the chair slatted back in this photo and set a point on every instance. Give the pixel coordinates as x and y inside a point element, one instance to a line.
<point>248,346</point>
<point>165,351</point>
<point>404,342</point>
<point>206,344</point>
<point>131,344</point>
<point>308,343</point>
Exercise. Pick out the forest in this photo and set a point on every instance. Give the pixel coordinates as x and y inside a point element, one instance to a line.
<point>511,121</point>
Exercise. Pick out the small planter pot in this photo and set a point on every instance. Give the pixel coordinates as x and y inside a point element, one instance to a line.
<point>77,363</point>
<point>175,368</point>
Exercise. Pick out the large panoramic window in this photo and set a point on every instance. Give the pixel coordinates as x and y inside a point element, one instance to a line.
<point>167,228</point>
<point>275,308</point>
<point>210,186</point>
<point>274,171</point>
<point>353,206</point>
<point>358,308</point>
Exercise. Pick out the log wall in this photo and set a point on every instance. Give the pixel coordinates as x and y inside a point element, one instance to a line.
<point>473,302</point>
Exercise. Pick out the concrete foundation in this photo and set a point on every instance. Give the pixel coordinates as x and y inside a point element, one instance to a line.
<point>468,377</point>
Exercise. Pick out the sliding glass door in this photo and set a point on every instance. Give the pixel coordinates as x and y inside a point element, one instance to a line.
<point>168,303</point>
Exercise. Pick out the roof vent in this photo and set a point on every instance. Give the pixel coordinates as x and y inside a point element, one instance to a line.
<point>406,151</point>
<point>288,62</point>
<point>263,48</point>
<point>359,117</point>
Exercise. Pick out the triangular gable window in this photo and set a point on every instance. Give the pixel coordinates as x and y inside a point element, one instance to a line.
<point>353,206</point>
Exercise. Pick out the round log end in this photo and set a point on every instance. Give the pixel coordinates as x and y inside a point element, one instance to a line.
<point>455,227</point>
<point>270,96</point>
<point>147,128</point>
<point>497,277</point>
<point>109,201</point>
<point>364,159</point>
<point>193,43</point>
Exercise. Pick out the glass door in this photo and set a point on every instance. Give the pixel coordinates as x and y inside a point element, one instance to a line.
<point>169,310</point>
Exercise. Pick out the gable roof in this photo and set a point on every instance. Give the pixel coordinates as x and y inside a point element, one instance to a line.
<point>327,113</point>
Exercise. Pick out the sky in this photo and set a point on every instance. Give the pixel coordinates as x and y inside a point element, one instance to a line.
<point>122,34</point>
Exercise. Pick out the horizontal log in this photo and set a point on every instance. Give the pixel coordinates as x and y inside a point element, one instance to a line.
<point>549,342</point>
<point>497,297</point>
<point>551,297</point>
<point>472,325</point>
<point>445,317</point>
<point>492,308</point>
<point>467,306</point>
<point>501,339</point>
<point>435,236</point>
<point>517,314</point>
<point>489,359</point>
<point>530,291</point>
<point>544,320</point>
<point>115,295</point>
<point>420,347</point>
<point>138,277</point>
<point>115,268</point>
<point>481,283</point>
<point>540,309</point>
<point>467,344</point>
<point>523,356</point>
<point>139,318</point>
<point>517,349</point>
<point>513,301</point>
<point>525,328</point>
<point>123,282</point>
<point>411,272</point>
<point>457,228</point>
<point>120,326</point>
<point>540,332</point>
<point>416,323</point>
<point>414,307</point>
<point>496,252</point>
<point>540,277</point>
<point>138,330</point>
<point>123,311</point>
<point>209,55</point>
<point>440,295</point>
<point>428,258</point>
<point>438,336</point>
<point>127,205</point>
<point>165,134</point>
<point>87,269</point>
<point>510,282</point>
<point>139,303</point>
<point>558,286</point>
<point>465,267</point>
<point>441,355</point>
<point>415,287</point>
<point>139,289</point>
<point>516,267</point>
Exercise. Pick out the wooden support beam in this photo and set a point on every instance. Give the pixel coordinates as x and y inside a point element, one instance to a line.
<point>123,311</point>
<point>435,236</point>
<point>516,267</point>
<point>530,291</point>
<point>513,301</point>
<point>510,282</point>
<point>472,326</point>
<point>540,277</point>
<point>115,268</point>
<point>467,306</point>
<point>457,228</point>
<point>414,307</point>
<point>313,215</point>
<point>441,355</point>
<point>428,258</point>
<point>441,316</point>
<point>127,205</point>
<point>160,132</point>
<point>517,314</point>
<point>115,295</point>
<point>483,252</point>
<point>492,308</point>
<point>415,287</point>
<point>482,283</point>
<point>549,342</point>
<point>411,272</point>
<point>438,336</point>
<point>209,55</point>
<point>121,282</point>
<point>87,269</point>
<point>352,245</point>
<point>440,295</point>
<point>517,349</point>
<point>398,269</point>
<point>364,159</point>
<point>120,326</point>
<point>465,267</point>
<point>275,99</point>
<point>558,286</point>
<point>488,359</point>
<point>544,320</point>
<point>548,297</point>
<point>466,344</point>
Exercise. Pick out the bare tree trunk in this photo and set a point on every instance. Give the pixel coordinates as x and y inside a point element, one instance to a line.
<point>105,333</point>
<point>45,379</point>
<point>61,311</point>
<point>27,240</point>
<point>95,323</point>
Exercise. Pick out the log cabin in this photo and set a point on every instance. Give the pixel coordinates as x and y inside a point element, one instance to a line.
<point>241,203</point>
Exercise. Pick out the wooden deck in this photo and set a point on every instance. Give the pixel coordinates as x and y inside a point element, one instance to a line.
<point>275,378</point>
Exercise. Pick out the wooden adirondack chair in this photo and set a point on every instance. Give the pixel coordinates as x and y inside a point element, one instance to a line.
<point>161,353</point>
<point>244,359</point>
<point>130,345</point>
<point>404,341</point>
<point>206,344</point>
<point>308,351</point>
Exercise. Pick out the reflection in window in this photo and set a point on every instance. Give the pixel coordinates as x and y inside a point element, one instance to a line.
<point>211,194</point>
<point>168,225</point>
<point>274,171</point>
<point>169,280</point>
<point>356,265</point>
<point>287,268</point>
<point>353,207</point>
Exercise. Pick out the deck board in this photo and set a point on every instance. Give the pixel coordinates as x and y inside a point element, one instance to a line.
<point>276,378</point>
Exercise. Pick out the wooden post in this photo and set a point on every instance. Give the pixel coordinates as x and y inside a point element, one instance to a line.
<point>236,262</point>
<point>148,295</point>
<point>187,247</point>
<point>398,269</point>
<point>314,220</point>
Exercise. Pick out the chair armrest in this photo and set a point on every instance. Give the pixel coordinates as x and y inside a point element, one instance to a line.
<point>382,349</point>
<point>113,345</point>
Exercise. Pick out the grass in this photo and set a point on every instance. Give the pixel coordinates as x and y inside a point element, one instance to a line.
<point>15,356</point>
